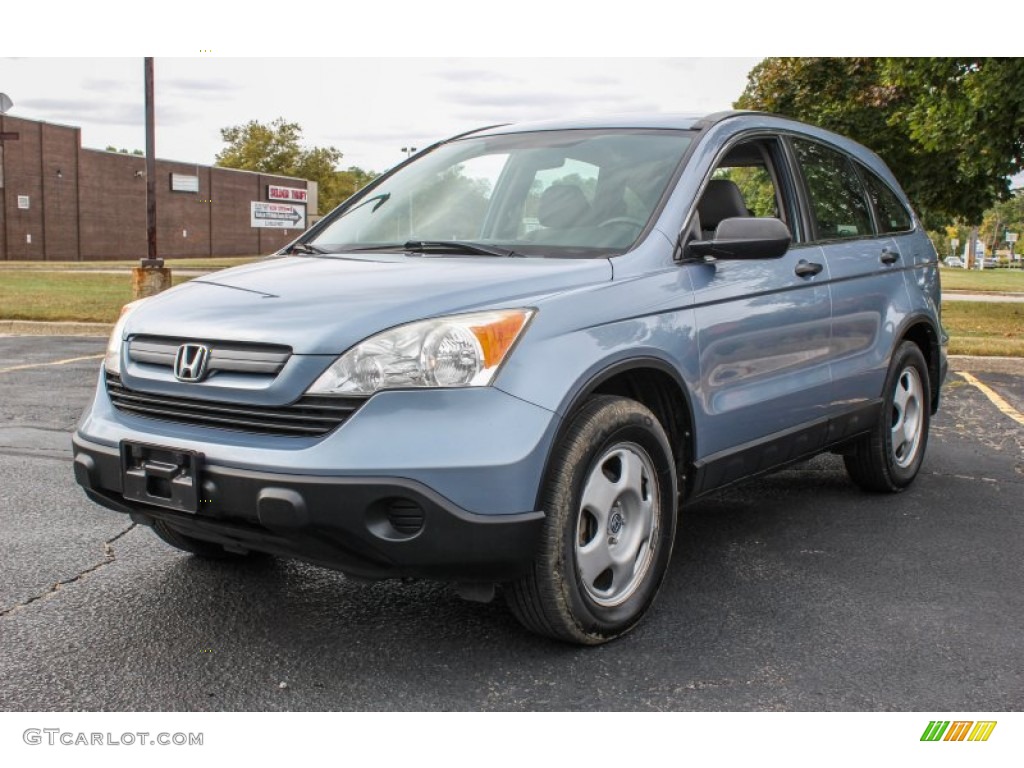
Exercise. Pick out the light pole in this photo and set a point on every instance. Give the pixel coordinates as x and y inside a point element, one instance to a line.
<point>408,151</point>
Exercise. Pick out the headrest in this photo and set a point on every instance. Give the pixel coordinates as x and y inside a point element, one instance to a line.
<point>722,200</point>
<point>562,206</point>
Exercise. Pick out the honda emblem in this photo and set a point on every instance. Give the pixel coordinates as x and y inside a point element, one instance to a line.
<point>190,362</point>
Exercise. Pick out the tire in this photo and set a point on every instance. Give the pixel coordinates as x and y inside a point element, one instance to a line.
<point>888,458</point>
<point>206,550</point>
<point>610,502</point>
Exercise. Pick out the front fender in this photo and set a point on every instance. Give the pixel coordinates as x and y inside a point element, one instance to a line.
<point>555,372</point>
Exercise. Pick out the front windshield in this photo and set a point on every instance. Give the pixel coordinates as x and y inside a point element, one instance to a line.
<point>555,193</point>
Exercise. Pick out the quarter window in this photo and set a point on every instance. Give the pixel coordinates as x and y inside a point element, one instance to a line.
<point>892,214</point>
<point>837,196</point>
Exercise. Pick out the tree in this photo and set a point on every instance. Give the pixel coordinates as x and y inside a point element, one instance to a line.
<point>276,148</point>
<point>354,179</point>
<point>272,148</point>
<point>1003,217</point>
<point>951,130</point>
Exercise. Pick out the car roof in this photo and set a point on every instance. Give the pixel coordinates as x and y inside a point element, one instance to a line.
<point>669,120</point>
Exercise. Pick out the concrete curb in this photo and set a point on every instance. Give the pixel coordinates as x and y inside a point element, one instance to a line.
<point>972,292</point>
<point>1013,366</point>
<point>36,328</point>
<point>985,357</point>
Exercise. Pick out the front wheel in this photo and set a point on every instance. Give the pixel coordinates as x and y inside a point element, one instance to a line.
<point>610,503</point>
<point>888,458</point>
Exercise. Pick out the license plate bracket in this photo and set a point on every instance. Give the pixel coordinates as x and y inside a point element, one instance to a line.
<point>163,477</point>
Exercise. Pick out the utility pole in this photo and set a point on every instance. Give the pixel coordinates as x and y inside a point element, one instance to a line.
<point>150,277</point>
<point>150,164</point>
<point>5,104</point>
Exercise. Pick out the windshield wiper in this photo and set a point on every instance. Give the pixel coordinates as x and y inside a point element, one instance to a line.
<point>456,246</point>
<point>305,248</point>
<point>433,246</point>
<point>377,247</point>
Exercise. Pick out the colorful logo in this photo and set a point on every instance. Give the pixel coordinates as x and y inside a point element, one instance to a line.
<point>958,730</point>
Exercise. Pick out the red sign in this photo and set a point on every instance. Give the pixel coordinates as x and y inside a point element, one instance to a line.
<point>291,194</point>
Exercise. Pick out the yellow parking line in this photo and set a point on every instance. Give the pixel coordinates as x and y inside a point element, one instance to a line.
<point>55,362</point>
<point>997,401</point>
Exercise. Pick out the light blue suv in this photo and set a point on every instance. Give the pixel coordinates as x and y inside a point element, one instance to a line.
<point>509,361</point>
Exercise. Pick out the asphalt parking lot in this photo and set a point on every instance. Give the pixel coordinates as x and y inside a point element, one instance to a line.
<point>795,592</point>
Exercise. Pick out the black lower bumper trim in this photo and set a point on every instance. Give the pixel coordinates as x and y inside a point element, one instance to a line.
<point>370,527</point>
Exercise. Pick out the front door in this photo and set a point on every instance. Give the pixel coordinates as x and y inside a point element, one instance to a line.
<point>764,330</point>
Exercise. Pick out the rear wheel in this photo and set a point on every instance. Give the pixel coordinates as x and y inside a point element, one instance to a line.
<point>609,499</point>
<point>889,458</point>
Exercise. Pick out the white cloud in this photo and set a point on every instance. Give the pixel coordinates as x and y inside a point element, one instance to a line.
<point>368,108</point>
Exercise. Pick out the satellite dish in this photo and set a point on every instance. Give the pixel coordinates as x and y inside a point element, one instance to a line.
<point>5,103</point>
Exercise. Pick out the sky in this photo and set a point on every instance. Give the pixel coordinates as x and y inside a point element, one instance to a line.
<point>369,108</point>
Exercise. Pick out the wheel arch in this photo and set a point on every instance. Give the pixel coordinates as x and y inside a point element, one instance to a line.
<point>656,384</point>
<point>921,330</point>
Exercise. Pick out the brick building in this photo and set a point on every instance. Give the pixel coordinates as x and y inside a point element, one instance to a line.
<point>61,202</point>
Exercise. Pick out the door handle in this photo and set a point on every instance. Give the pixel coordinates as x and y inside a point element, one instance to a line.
<point>889,257</point>
<point>806,268</point>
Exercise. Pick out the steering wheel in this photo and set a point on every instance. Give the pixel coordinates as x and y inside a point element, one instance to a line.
<point>622,220</point>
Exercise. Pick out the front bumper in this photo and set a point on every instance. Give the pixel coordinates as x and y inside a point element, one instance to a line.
<point>480,448</point>
<point>371,527</point>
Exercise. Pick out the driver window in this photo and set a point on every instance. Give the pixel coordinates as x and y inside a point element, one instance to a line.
<point>743,184</point>
<point>756,188</point>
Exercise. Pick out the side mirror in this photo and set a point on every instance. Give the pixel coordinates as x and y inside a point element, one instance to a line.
<point>745,238</point>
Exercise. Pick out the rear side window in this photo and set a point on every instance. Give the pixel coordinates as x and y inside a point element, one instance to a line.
<point>892,214</point>
<point>837,196</point>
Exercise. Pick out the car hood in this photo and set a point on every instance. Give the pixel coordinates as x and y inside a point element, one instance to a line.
<point>324,305</point>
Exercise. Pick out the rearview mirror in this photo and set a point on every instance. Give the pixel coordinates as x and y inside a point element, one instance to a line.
<point>745,238</point>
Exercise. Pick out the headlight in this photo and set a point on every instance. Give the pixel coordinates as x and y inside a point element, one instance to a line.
<point>112,362</point>
<point>456,351</point>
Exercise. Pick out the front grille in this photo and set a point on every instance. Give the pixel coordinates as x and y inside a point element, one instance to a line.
<point>224,356</point>
<point>307,417</point>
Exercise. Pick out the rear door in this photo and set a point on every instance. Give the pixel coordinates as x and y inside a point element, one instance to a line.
<point>866,269</point>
